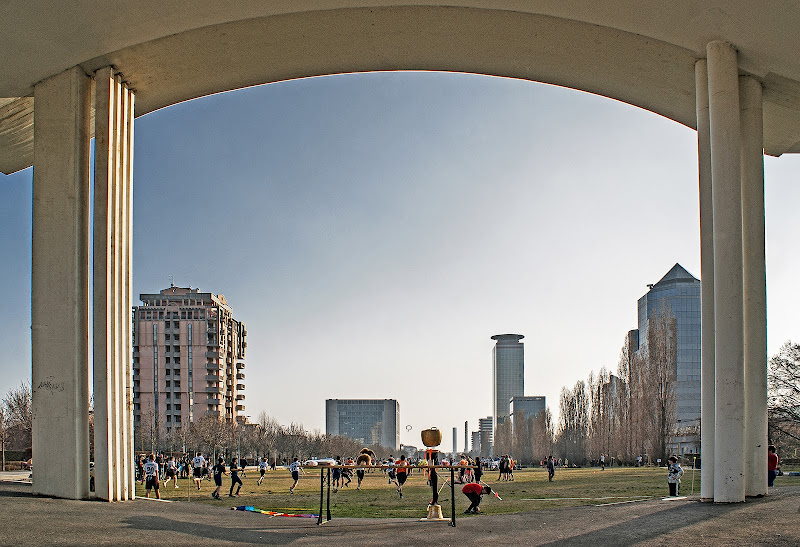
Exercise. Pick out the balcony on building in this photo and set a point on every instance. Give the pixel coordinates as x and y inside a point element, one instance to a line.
<point>212,354</point>
<point>239,366</point>
<point>214,413</point>
<point>211,401</point>
<point>240,375</point>
<point>213,378</point>
<point>239,407</point>
<point>240,387</point>
<point>240,396</point>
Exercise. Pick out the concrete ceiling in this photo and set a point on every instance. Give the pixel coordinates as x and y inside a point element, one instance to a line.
<point>641,52</point>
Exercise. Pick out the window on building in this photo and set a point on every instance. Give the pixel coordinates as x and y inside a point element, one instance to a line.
<point>168,395</point>
<point>176,324</point>
<point>177,337</point>
<point>183,314</point>
<point>177,406</point>
<point>176,383</point>
<point>176,372</point>
<point>178,418</point>
<point>177,360</point>
<point>166,336</point>
<point>169,406</point>
<point>167,360</point>
<point>169,418</point>
<point>167,383</point>
<point>176,349</point>
<point>166,349</point>
<point>166,372</point>
<point>161,315</point>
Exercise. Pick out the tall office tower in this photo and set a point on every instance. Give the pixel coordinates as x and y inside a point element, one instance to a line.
<point>369,421</point>
<point>508,371</point>
<point>679,292</point>
<point>188,359</point>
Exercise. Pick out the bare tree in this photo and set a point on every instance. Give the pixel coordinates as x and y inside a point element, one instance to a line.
<point>783,388</point>
<point>574,423</point>
<point>18,406</point>
<point>661,369</point>
<point>5,425</point>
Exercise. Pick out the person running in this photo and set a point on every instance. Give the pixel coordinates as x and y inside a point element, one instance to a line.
<point>359,476</point>
<point>402,469</point>
<point>262,468</point>
<point>347,474</point>
<point>337,473</point>
<point>243,467</point>
<point>198,463</point>
<point>151,476</point>
<point>219,470</point>
<point>474,491</point>
<point>171,472</point>
<point>295,467</point>
<point>391,471</point>
<point>235,480</point>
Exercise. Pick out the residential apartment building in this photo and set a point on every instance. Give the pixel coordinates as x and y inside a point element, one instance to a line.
<point>188,359</point>
<point>369,421</point>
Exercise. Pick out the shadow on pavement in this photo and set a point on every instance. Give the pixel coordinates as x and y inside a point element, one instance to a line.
<point>215,532</point>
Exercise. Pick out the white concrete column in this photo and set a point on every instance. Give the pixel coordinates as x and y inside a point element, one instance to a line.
<point>723,92</point>
<point>60,285</point>
<point>127,278</point>
<point>112,324</point>
<point>755,286</point>
<point>707,283</point>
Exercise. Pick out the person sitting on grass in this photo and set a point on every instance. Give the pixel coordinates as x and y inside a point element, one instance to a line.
<point>474,491</point>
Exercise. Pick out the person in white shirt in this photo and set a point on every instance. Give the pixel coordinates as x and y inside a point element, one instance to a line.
<point>262,468</point>
<point>151,477</point>
<point>171,472</point>
<point>198,463</point>
<point>295,467</point>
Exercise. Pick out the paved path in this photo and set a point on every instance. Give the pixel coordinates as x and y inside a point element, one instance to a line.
<point>29,520</point>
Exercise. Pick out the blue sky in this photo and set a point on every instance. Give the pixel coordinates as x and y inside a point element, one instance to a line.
<point>375,230</point>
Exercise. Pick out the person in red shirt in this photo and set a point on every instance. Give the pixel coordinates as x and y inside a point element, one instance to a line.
<point>772,465</point>
<point>474,491</point>
<point>402,467</point>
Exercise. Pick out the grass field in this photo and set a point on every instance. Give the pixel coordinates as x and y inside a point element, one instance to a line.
<point>529,491</point>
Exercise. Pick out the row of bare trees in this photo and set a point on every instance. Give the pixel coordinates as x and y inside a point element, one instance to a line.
<point>629,414</point>
<point>264,438</point>
<point>529,439</point>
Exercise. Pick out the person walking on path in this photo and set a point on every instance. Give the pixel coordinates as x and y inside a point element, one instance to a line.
<point>198,463</point>
<point>262,468</point>
<point>218,471</point>
<point>474,491</point>
<point>402,467</point>
<point>151,477</point>
<point>235,480</point>
<point>772,465</point>
<point>602,462</point>
<point>674,474</point>
<point>295,467</point>
<point>551,468</point>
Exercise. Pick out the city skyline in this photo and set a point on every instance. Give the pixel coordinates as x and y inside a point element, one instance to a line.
<point>388,220</point>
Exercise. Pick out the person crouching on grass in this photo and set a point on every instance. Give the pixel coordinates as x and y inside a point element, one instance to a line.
<point>474,491</point>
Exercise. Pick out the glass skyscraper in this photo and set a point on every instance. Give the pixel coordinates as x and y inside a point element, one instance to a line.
<point>508,372</point>
<point>679,291</point>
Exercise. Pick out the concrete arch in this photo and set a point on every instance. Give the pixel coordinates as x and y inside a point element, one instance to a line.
<point>646,53</point>
<point>641,54</point>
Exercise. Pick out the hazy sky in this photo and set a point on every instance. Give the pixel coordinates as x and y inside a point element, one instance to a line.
<point>375,230</point>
